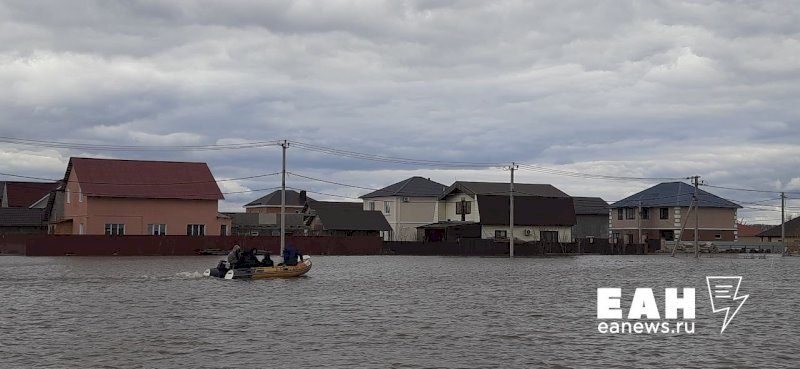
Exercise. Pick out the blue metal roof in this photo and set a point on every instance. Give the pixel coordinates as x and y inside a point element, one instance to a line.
<point>673,194</point>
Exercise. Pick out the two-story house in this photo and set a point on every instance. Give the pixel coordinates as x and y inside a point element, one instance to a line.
<point>541,211</point>
<point>137,197</point>
<point>660,211</point>
<point>406,205</point>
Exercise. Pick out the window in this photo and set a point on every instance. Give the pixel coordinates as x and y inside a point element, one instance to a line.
<point>81,229</point>
<point>223,230</point>
<point>372,205</point>
<point>717,236</point>
<point>619,214</point>
<point>387,207</point>
<point>630,213</point>
<point>548,236</point>
<point>157,229</point>
<point>66,196</point>
<point>196,229</point>
<point>663,213</point>
<point>500,233</point>
<point>645,213</point>
<point>464,207</point>
<point>114,229</point>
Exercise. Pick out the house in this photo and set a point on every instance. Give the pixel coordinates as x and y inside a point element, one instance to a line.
<point>271,203</point>
<point>749,233</point>
<point>329,218</point>
<point>659,212</point>
<point>406,205</point>
<point>591,216</point>
<point>791,229</point>
<point>138,197</point>
<point>265,224</point>
<point>541,211</point>
<point>22,221</point>
<point>23,206</point>
<point>25,194</point>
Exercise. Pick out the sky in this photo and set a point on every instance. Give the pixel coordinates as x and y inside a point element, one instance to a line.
<point>650,89</point>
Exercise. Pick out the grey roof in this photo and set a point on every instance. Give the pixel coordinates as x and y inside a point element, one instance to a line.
<point>21,217</point>
<point>791,228</point>
<point>414,186</point>
<point>528,210</point>
<point>274,199</point>
<point>315,205</point>
<point>343,216</point>
<point>590,206</point>
<point>500,188</point>
<point>673,194</point>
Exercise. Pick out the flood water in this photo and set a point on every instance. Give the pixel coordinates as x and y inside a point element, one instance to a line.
<point>383,311</point>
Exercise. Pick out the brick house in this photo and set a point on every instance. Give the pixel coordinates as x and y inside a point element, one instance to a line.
<point>137,197</point>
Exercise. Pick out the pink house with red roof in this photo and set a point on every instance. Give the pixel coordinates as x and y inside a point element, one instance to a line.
<point>137,197</point>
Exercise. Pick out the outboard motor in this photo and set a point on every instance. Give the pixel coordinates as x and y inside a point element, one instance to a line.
<point>220,270</point>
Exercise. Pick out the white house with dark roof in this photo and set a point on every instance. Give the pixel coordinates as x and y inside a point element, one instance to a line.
<point>542,212</point>
<point>406,205</point>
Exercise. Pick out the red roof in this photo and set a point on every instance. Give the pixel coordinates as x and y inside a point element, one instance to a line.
<point>144,179</point>
<point>745,230</point>
<point>24,194</point>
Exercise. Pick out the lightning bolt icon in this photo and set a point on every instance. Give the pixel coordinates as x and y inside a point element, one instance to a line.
<point>722,292</point>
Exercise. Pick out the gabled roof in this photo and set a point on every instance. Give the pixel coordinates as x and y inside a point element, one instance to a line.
<point>293,198</point>
<point>500,188</point>
<point>22,217</point>
<point>414,186</point>
<point>144,179</point>
<point>791,228</point>
<point>590,206</point>
<point>25,194</point>
<point>673,194</point>
<point>528,210</point>
<point>744,230</point>
<point>344,216</point>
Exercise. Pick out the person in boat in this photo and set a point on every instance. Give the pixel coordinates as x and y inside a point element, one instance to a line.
<point>267,262</point>
<point>222,267</point>
<point>235,256</point>
<point>289,255</point>
<point>249,259</point>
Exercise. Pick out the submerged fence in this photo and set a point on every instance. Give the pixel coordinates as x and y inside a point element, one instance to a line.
<point>484,247</point>
<point>101,245</point>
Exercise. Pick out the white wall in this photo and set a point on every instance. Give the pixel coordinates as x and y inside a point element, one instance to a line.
<point>564,233</point>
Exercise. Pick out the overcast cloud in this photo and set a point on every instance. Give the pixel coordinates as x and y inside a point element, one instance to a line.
<point>653,89</point>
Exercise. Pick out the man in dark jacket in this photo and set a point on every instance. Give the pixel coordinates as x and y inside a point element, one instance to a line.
<point>289,255</point>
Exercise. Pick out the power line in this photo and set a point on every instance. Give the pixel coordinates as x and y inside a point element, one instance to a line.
<point>148,184</point>
<point>750,189</point>
<point>323,193</point>
<point>102,147</point>
<point>332,182</point>
<point>391,159</point>
<point>560,172</point>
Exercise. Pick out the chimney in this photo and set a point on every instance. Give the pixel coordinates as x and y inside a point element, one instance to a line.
<point>302,197</point>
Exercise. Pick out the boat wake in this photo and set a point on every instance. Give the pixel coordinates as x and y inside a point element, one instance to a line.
<point>189,275</point>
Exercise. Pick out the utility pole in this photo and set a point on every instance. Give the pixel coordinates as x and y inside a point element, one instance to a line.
<point>639,222</point>
<point>696,217</point>
<point>284,145</point>
<point>684,222</point>
<point>512,168</point>
<point>783,221</point>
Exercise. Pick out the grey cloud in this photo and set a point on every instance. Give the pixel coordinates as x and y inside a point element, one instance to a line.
<point>633,89</point>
